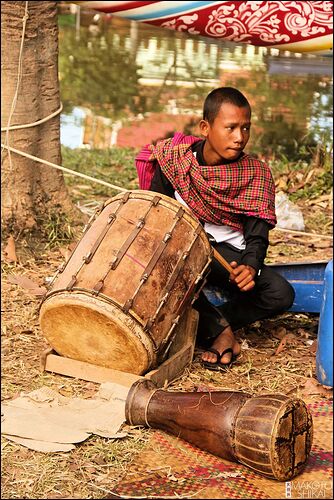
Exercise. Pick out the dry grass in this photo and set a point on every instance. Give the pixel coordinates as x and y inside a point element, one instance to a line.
<point>95,466</point>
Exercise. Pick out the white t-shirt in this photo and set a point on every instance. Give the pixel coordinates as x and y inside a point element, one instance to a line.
<point>221,233</point>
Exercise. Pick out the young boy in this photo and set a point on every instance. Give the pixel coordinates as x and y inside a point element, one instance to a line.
<point>233,195</point>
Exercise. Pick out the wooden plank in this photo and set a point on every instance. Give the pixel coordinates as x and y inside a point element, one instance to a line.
<point>186,331</point>
<point>87,371</point>
<point>172,367</point>
<point>166,372</point>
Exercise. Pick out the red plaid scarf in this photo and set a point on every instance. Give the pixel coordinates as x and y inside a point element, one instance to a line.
<point>220,194</point>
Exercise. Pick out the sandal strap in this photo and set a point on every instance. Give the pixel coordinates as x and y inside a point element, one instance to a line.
<point>217,353</point>
<point>214,351</point>
<point>228,350</point>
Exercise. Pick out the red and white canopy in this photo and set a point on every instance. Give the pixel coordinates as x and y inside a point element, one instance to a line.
<point>295,26</point>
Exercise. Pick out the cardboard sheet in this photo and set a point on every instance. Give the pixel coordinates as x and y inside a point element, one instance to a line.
<point>44,420</point>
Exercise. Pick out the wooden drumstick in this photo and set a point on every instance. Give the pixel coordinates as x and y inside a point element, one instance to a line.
<point>222,261</point>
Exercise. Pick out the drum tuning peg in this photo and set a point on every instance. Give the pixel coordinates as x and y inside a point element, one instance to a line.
<point>126,196</point>
<point>71,283</point>
<point>148,324</point>
<point>114,263</point>
<point>140,222</point>
<point>97,288</point>
<point>127,305</point>
<point>87,258</point>
<point>156,200</point>
<point>111,218</point>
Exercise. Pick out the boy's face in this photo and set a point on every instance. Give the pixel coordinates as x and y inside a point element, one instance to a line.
<point>228,135</point>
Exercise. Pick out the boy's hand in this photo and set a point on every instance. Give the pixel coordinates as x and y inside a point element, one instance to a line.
<point>243,276</point>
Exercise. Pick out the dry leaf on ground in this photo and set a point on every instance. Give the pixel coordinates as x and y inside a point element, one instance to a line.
<point>283,343</point>
<point>314,346</point>
<point>9,252</point>
<point>27,284</point>
<point>312,387</point>
<point>321,244</point>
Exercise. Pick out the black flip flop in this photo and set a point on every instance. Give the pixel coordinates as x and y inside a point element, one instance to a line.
<point>217,365</point>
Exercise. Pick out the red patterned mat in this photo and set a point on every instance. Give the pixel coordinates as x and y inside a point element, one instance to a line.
<point>171,468</point>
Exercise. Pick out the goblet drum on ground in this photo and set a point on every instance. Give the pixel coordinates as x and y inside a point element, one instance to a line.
<point>270,433</point>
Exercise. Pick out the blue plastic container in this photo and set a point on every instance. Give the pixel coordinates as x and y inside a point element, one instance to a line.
<point>324,356</point>
<point>307,279</point>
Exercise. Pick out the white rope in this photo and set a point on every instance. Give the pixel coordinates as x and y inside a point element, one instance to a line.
<point>19,77</point>
<point>33,124</point>
<point>64,169</point>
<point>303,233</point>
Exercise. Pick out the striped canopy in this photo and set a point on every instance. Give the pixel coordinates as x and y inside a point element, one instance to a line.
<point>295,26</point>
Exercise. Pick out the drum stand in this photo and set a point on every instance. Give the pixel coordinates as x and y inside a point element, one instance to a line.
<point>180,356</point>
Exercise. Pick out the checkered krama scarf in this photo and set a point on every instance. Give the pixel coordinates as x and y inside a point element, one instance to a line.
<point>219,194</point>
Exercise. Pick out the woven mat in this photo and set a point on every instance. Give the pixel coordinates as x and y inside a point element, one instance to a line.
<point>172,468</point>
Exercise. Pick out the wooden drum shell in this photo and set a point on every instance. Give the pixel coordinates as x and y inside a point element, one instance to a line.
<point>140,263</point>
<point>272,434</point>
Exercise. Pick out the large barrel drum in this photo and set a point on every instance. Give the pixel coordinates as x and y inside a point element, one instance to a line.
<point>271,434</point>
<point>141,261</point>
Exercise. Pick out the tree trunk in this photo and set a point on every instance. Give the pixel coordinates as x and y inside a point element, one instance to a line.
<point>31,190</point>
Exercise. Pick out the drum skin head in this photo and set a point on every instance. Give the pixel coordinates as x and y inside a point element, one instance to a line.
<point>81,327</point>
<point>273,436</point>
<point>291,444</point>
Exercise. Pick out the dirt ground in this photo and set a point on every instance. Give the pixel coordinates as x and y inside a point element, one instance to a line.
<point>278,355</point>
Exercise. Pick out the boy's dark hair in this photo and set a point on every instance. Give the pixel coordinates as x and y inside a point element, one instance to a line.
<point>217,97</point>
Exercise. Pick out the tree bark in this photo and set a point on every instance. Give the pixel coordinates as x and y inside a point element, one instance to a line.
<point>30,190</point>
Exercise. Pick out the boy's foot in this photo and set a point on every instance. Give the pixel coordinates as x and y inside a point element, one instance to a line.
<point>223,351</point>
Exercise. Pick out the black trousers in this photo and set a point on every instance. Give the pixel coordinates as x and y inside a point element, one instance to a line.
<point>271,295</point>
